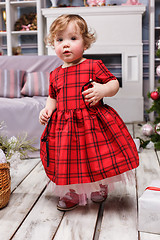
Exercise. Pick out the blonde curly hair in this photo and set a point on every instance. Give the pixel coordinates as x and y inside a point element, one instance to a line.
<point>61,23</point>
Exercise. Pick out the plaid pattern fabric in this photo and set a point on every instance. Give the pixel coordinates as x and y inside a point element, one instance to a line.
<point>85,144</point>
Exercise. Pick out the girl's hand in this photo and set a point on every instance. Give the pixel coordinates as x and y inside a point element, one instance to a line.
<point>46,112</point>
<point>94,94</point>
<point>44,116</point>
<point>99,91</point>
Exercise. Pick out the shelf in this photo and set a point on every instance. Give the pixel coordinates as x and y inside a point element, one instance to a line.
<point>2,4</point>
<point>23,3</point>
<point>4,47</point>
<point>26,46</point>
<point>157,28</point>
<point>3,33</point>
<point>34,32</point>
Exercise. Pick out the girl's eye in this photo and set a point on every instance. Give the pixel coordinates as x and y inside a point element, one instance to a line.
<point>73,38</point>
<point>59,40</point>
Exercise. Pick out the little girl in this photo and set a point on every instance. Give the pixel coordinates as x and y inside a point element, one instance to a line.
<point>85,144</point>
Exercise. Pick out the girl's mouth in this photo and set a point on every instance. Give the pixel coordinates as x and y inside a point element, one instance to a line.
<point>66,52</point>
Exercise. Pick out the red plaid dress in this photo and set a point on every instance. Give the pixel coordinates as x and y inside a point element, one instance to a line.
<point>85,144</point>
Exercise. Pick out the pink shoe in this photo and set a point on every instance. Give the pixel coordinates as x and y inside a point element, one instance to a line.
<point>100,196</point>
<point>69,202</point>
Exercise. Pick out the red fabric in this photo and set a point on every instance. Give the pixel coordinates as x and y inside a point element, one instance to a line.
<point>85,144</point>
<point>153,188</point>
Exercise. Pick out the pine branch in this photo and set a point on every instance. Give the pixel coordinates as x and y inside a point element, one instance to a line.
<point>19,144</point>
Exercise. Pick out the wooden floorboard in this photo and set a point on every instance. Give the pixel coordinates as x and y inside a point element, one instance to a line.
<point>20,169</point>
<point>120,213</point>
<point>21,202</point>
<point>32,210</point>
<point>79,224</point>
<point>43,221</point>
<point>149,236</point>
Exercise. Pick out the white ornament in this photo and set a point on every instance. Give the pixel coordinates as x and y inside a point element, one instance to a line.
<point>158,44</point>
<point>158,128</point>
<point>147,130</point>
<point>158,70</point>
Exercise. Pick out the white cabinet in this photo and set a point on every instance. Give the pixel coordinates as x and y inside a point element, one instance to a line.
<point>11,9</point>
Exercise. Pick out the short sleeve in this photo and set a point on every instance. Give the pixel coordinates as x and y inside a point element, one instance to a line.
<point>52,91</point>
<point>103,75</point>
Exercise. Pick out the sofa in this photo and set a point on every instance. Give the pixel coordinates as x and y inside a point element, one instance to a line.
<point>24,82</point>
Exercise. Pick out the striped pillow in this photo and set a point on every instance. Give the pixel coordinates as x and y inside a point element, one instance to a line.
<point>36,84</point>
<point>11,83</point>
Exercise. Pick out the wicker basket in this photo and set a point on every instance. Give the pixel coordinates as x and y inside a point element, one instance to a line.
<point>5,184</point>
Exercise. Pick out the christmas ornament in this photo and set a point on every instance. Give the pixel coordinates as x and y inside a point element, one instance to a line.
<point>157,128</point>
<point>158,44</point>
<point>158,70</point>
<point>154,95</point>
<point>147,130</point>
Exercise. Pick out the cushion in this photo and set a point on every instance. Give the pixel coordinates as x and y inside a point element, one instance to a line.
<point>11,83</point>
<point>36,84</point>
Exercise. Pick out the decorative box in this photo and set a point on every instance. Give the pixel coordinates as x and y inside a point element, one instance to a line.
<point>149,209</point>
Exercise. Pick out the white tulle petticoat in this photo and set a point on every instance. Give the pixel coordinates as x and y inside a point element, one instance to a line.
<point>84,190</point>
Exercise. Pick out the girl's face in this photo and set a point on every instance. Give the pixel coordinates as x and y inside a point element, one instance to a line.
<point>69,44</point>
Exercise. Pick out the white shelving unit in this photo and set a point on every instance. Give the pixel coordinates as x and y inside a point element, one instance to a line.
<point>153,60</point>
<point>154,32</point>
<point>11,10</point>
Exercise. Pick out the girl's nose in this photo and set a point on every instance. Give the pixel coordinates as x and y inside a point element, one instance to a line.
<point>66,44</point>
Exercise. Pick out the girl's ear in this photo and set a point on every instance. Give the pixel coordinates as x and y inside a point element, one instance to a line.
<point>85,47</point>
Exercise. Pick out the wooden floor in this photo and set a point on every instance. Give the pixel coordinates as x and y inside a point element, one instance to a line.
<point>32,213</point>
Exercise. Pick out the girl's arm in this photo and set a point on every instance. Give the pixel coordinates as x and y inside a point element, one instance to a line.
<point>46,112</point>
<point>98,91</point>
